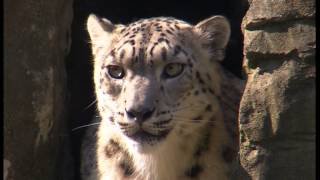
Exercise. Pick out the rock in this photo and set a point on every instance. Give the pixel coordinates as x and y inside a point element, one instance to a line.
<point>265,12</point>
<point>277,110</point>
<point>292,37</point>
<point>36,41</point>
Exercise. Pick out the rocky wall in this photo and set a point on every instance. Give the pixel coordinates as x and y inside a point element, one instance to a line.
<point>277,111</point>
<point>36,43</point>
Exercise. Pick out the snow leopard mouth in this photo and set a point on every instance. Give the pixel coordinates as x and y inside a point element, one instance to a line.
<point>142,136</point>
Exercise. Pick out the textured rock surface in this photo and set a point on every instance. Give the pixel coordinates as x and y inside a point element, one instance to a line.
<point>277,111</point>
<point>36,41</point>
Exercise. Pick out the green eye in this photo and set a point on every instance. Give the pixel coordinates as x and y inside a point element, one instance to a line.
<point>116,72</point>
<point>173,69</point>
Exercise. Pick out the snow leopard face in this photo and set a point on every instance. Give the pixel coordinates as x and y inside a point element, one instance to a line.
<point>157,79</point>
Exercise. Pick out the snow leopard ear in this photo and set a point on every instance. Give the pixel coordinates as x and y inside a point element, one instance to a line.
<point>215,32</point>
<point>100,31</point>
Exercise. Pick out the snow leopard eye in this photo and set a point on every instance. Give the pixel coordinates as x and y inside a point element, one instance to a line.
<point>115,71</point>
<point>173,70</point>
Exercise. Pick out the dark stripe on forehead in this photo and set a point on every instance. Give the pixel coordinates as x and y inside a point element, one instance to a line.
<point>168,31</point>
<point>141,54</point>
<point>122,54</point>
<point>177,50</point>
<point>143,25</point>
<point>127,33</point>
<point>164,53</point>
<point>132,36</point>
<point>151,51</point>
<point>176,26</point>
<point>122,30</point>
<point>131,41</point>
<point>133,51</point>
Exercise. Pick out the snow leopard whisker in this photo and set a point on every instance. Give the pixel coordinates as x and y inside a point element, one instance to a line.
<point>88,106</point>
<point>186,108</point>
<point>83,126</point>
<point>188,120</point>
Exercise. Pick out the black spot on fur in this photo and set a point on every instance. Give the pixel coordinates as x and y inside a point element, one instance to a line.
<point>143,25</point>
<point>167,42</point>
<point>194,171</point>
<point>103,67</point>
<point>127,169</point>
<point>111,119</point>
<point>122,30</point>
<point>196,92</point>
<point>112,53</point>
<point>203,145</point>
<point>151,62</point>
<point>114,89</point>
<point>112,148</point>
<point>161,40</point>
<point>126,34</point>
<point>199,77</point>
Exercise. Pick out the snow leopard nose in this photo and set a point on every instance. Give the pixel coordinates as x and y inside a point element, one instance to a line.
<point>140,115</point>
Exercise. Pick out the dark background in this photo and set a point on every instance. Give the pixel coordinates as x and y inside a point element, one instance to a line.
<point>79,63</point>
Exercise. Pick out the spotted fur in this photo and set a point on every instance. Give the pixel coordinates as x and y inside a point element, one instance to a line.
<point>168,109</point>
